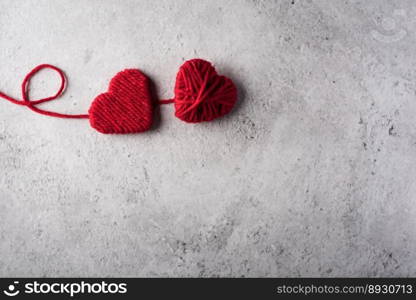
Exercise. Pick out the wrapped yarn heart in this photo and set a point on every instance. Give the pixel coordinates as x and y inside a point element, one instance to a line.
<point>201,94</point>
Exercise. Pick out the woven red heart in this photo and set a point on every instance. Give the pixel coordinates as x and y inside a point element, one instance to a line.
<point>127,107</point>
<point>201,94</point>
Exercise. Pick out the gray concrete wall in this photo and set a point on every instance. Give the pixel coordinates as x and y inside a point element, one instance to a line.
<point>313,174</point>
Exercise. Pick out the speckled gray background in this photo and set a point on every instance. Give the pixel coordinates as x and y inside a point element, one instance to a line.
<point>313,174</point>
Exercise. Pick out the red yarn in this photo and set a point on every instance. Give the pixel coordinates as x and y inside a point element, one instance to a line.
<point>31,104</point>
<point>126,107</point>
<point>201,94</point>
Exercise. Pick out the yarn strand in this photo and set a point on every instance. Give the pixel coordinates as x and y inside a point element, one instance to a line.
<point>31,104</point>
<point>167,101</point>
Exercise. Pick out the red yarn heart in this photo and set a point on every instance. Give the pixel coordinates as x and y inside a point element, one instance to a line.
<point>126,107</point>
<point>201,94</point>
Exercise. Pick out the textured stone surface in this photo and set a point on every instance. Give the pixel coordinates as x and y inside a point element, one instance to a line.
<point>313,174</point>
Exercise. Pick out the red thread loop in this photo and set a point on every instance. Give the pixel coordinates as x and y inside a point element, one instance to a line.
<point>31,104</point>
